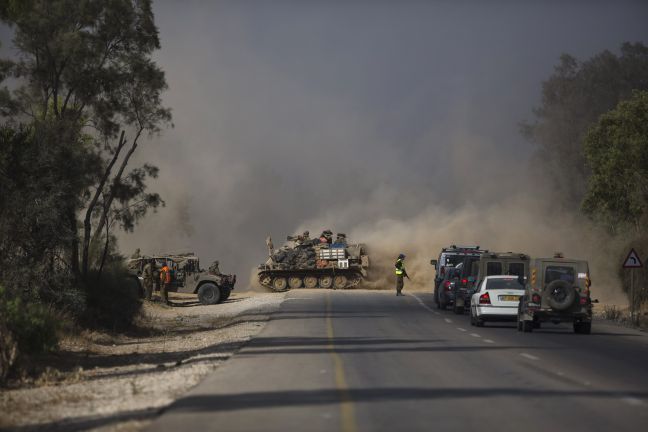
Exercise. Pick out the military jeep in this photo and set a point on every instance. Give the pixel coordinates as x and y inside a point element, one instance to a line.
<point>187,276</point>
<point>557,290</point>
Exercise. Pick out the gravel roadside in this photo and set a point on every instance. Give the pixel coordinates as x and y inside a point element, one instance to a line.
<point>121,382</point>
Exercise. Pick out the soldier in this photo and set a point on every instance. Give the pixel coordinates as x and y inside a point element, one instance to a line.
<point>400,273</point>
<point>165,283</point>
<point>147,274</point>
<point>214,269</point>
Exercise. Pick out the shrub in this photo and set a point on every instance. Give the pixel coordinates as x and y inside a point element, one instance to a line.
<point>25,329</point>
<point>113,299</point>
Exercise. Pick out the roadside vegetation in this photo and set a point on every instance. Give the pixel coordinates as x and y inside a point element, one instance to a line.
<point>80,94</point>
<point>591,136</point>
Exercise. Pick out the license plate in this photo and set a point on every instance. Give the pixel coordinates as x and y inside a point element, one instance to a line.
<point>509,298</point>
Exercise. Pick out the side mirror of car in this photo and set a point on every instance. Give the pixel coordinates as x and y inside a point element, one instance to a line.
<point>433,263</point>
<point>595,301</point>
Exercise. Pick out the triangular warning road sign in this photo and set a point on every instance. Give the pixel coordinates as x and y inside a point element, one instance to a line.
<point>633,260</point>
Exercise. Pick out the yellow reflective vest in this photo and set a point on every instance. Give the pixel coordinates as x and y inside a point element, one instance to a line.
<point>400,267</point>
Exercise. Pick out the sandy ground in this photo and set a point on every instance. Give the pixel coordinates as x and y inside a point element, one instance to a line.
<point>120,383</point>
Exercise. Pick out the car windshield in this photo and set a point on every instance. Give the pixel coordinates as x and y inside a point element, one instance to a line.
<point>553,273</point>
<point>504,283</point>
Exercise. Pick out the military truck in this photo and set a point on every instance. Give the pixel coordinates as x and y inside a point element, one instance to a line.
<point>187,276</point>
<point>314,263</point>
<point>557,290</point>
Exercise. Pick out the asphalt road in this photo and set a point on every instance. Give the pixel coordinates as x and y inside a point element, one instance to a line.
<point>371,361</point>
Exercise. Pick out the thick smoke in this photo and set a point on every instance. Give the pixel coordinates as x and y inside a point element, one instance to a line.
<point>395,122</point>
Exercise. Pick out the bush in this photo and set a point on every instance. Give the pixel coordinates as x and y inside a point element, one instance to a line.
<point>25,329</point>
<point>113,299</point>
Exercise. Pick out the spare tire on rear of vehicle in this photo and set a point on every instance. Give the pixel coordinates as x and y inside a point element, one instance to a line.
<point>561,295</point>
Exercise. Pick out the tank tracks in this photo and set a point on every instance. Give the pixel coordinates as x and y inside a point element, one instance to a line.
<point>284,280</point>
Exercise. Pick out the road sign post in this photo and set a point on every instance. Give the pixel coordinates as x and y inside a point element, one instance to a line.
<point>632,262</point>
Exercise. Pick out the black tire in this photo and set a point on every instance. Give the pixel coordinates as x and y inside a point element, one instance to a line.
<point>225,294</point>
<point>582,327</point>
<point>537,324</point>
<point>561,295</point>
<point>209,293</point>
<point>527,326</point>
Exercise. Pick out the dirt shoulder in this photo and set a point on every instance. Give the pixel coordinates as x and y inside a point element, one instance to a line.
<point>121,382</point>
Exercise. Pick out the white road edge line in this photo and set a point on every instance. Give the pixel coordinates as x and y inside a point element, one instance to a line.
<point>474,335</point>
<point>529,356</point>
<point>632,401</point>
<point>461,329</point>
<point>489,341</point>
<point>423,304</point>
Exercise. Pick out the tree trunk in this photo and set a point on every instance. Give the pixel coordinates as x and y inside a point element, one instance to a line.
<point>117,178</point>
<point>87,222</point>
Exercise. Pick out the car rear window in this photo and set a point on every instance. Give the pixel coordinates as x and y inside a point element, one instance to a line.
<point>508,283</point>
<point>453,260</point>
<point>516,269</point>
<point>493,268</point>
<point>553,273</point>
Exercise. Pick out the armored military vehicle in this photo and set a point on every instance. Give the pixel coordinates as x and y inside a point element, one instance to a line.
<point>314,263</point>
<point>187,276</point>
<point>557,290</point>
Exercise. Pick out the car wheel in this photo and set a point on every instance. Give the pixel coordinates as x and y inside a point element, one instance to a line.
<point>583,327</point>
<point>537,324</point>
<point>527,326</point>
<point>209,294</point>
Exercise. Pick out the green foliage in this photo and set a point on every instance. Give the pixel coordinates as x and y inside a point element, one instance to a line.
<point>616,148</point>
<point>573,98</point>
<point>37,183</point>
<point>34,326</point>
<point>113,299</point>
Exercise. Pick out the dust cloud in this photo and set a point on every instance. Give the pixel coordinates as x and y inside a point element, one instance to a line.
<point>394,122</point>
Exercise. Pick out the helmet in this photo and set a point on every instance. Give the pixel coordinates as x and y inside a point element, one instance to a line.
<point>401,256</point>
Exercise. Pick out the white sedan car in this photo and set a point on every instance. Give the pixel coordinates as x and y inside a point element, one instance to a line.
<point>496,299</point>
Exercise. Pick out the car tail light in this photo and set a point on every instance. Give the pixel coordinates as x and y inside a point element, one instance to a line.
<point>583,300</point>
<point>446,285</point>
<point>442,271</point>
<point>464,282</point>
<point>535,298</point>
<point>484,299</point>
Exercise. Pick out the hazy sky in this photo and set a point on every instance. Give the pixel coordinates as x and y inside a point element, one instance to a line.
<point>347,113</point>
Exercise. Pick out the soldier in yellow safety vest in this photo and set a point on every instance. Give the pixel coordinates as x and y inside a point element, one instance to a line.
<point>400,274</point>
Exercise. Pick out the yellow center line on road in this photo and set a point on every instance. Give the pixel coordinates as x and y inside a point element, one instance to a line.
<point>347,411</point>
